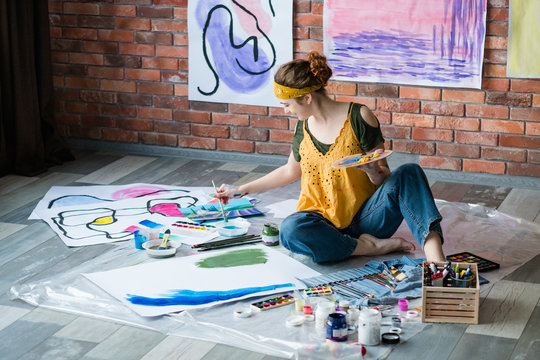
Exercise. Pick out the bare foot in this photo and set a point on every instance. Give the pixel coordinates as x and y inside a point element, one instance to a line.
<point>371,245</point>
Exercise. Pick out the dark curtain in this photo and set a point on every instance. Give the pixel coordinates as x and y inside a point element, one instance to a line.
<point>29,143</point>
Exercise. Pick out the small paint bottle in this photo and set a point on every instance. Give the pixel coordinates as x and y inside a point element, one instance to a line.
<point>270,234</point>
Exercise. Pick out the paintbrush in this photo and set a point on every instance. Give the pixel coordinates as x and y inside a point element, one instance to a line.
<point>220,203</point>
<point>163,245</point>
<point>252,241</point>
<point>224,241</point>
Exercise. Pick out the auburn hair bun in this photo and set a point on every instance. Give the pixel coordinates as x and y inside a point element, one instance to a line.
<point>319,67</point>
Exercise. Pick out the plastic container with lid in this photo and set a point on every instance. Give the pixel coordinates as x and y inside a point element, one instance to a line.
<point>369,327</point>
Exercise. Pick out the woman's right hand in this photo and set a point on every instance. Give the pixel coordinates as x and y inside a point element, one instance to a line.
<point>227,192</point>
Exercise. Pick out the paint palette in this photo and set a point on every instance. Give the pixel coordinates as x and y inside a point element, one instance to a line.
<point>273,303</point>
<point>359,159</point>
<point>467,257</point>
<point>318,291</point>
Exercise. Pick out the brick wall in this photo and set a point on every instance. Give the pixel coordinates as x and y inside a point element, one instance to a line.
<point>120,74</point>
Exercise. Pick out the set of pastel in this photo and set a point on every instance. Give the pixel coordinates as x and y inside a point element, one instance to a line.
<point>319,291</point>
<point>273,302</point>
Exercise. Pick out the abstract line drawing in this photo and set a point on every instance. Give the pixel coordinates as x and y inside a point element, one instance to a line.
<point>234,48</point>
<point>417,42</point>
<point>524,39</point>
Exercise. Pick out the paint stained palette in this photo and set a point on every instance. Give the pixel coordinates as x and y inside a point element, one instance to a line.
<point>359,159</point>
<point>467,257</point>
<point>273,303</point>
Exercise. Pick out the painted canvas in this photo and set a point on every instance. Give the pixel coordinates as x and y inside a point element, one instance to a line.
<point>235,47</point>
<point>204,280</point>
<point>524,39</point>
<point>417,42</point>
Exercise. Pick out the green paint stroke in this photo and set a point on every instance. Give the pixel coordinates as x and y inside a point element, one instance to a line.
<point>234,258</point>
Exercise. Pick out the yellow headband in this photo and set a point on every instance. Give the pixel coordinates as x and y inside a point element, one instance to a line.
<point>284,92</point>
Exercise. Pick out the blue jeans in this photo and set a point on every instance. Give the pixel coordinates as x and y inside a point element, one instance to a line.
<point>405,194</point>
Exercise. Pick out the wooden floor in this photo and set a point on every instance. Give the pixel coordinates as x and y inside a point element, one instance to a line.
<point>29,248</point>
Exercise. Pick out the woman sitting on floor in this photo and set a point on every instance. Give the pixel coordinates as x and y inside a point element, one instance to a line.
<point>343,211</point>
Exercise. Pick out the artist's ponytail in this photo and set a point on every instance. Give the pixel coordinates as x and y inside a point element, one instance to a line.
<point>301,73</point>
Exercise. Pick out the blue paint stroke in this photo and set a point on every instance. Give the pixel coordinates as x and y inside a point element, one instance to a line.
<point>150,224</point>
<point>191,297</point>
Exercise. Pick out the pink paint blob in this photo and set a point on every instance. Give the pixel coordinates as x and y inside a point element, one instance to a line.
<point>248,22</point>
<point>166,209</point>
<point>134,191</point>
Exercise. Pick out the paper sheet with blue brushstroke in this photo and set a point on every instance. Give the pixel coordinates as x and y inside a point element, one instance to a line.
<point>198,281</point>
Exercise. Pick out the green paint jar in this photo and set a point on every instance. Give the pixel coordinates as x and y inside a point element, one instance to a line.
<point>270,234</point>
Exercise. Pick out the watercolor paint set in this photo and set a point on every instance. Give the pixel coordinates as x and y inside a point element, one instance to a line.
<point>318,291</point>
<point>273,303</point>
<point>467,257</point>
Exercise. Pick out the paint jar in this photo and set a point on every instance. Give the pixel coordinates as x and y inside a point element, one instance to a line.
<point>140,238</point>
<point>352,319</point>
<point>154,233</point>
<point>270,234</point>
<point>369,327</point>
<point>403,305</point>
<point>299,304</point>
<point>336,327</point>
<point>344,305</point>
<point>324,309</point>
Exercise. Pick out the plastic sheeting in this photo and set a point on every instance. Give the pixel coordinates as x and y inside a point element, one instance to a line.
<point>473,228</point>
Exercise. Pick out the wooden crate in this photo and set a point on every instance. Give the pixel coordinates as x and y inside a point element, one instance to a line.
<point>442,304</point>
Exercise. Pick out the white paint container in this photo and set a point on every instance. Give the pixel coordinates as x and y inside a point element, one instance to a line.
<point>369,327</point>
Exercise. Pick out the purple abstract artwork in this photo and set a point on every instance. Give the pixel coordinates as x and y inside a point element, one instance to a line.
<point>417,42</point>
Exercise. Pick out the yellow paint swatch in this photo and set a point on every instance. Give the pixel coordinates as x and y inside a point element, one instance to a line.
<point>104,220</point>
<point>524,39</point>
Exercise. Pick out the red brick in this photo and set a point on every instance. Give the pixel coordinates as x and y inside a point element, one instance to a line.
<point>214,131</point>
<point>181,90</point>
<point>495,84</point>
<point>316,34</point>
<point>341,88</point>
<point>174,127</point>
<point>419,93</point>
<point>302,6</point>
<point>120,135</point>
<point>180,13</point>
<point>508,98</point>
<point>169,26</point>
<point>458,150</point>
<point>172,51</point>
<point>366,101</point>
<point>59,57</point>
<point>441,163</point>
<point>317,7</point>
<point>154,12</point>
<point>105,72</point>
<point>442,108</point>
<point>172,102</point>
<point>482,166</point>
<point>432,134</point>
<point>81,34</point>
<point>122,60</point>
<point>536,100</point>
<point>457,123</point>
<point>78,8</point>
<point>533,156</point>
<point>533,129</point>
<point>471,137</point>
<point>413,147</point>
<point>63,20</point>
<point>465,96</point>
<point>101,47</point>
<point>135,124</point>
<point>300,33</point>
<point>98,96</point>
<point>182,3</point>
<point>174,76</point>
<point>115,85</point>
<point>274,149</point>
<point>277,111</point>
<point>208,106</point>
<point>54,7</point>
<point>378,90</point>
<point>155,88</point>
<point>503,126</point>
<point>413,120</point>
<point>281,136</point>
<point>245,133</point>
<point>118,110</point>
<point>118,10</point>
<point>496,42</point>
<point>55,32</point>
<point>197,142</point>
<point>300,19</point>
<point>180,39</point>
<point>183,64</point>
<point>137,49</point>
<point>58,81</point>
<point>116,35</point>
<point>103,22</point>
<point>520,141</point>
<point>152,138</point>
<point>487,111</point>
<point>531,86</point>
<point>383,117</point>
<point>269,122</point>
<point>82,107</point>
<point>248,109</point>
<point>235,145</point>
<point>494,28</point>
<point>495,153</point>
<point>98,121</point>
<point>498,14</point>
<point>87,133</point>
<point>83,58</point>
<point>135,24</point>
<point>524,170</point>
<point>159,63</point>
<point>191,116</point>
<point>525,114</point>
<point>139,74</point>
<point>153,113</point>
<point>497,3</point>
<point>81,83</point>
<point>134,99</point>
<point>494,70</point>
<point>230,119</point>
<point>305,46</point>
<point>400,132</point>
<point>495,56</point>
<point>398,105</point>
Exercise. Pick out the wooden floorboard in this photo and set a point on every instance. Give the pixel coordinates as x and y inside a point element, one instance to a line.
<point>489,196</point>
<point>522,203</point>
<point>475,346</point>
<point>449,191</point>
<point>528,272</point>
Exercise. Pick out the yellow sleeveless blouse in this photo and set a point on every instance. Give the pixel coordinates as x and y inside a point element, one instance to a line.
<point>337,194</point>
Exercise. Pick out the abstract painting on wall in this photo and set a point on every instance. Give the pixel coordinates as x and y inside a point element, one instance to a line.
<point>524,39</point>
<point>417,42</point>
<point>235,47</point>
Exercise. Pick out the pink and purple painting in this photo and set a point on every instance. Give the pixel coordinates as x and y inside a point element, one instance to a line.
<point>417,42</point>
